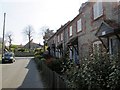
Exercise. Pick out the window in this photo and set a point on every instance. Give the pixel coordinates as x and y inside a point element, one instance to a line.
<point>61,36</point>
<point>97,47</point>
<point>70,31</point>
<point>58,38</point>
<point>71,52</point>
<point>79,25</point>
<point>54,40</point>
<point>98,9</point>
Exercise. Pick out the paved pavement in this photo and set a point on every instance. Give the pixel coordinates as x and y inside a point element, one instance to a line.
<point>21,74</point>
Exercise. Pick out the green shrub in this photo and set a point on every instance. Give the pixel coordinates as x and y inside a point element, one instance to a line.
<point>38,53</point>
<point>55,65</point>
<point>43,59</point>
<point>97,72</point>
<point>38,62</point>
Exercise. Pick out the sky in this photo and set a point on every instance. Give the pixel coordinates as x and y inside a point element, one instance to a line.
<point>38,13</point>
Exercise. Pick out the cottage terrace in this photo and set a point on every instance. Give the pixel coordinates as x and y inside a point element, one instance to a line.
<point>94,29</point>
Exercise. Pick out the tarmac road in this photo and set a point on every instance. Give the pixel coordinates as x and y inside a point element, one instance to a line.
<point>21,74</point>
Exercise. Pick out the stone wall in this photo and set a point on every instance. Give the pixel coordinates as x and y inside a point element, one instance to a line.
<point>24,54</point>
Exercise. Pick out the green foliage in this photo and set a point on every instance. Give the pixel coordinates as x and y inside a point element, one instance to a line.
<point>99,72</point>
<point>38,62</point>
<point>14,46</point>
<point>21,50</point>
<point>38,53</point>
<point>55,65</point>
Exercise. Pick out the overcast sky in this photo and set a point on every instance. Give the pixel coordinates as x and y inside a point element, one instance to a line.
<point>38,13</point>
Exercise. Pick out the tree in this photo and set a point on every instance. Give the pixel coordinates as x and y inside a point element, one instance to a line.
<point>47,33</point>
<point>43,30</point>
<point>9,38</point>
<point>29,31</point>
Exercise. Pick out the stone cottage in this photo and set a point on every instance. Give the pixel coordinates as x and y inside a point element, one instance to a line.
<point>95,29</point>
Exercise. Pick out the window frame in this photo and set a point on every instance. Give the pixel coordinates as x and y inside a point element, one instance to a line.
<point>97,9</point>
<point>79,25</point>
<point>58,38</point>
<point>61,36</point>
<point>71,30</point>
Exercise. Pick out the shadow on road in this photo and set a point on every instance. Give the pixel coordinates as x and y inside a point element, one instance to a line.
<point>32,79</point>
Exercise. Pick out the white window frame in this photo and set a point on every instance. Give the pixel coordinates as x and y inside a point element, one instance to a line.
<point>70,53</point>
<point>58,38</point>
<point>98,9</point>
<point>55,38</point>
<point>70,31</point>
<point>79,25</point>
<point>61,36</point>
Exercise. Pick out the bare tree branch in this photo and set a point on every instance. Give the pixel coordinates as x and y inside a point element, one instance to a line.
<point>43,30</point>
<point>29,32</point>
<point>9,38</point>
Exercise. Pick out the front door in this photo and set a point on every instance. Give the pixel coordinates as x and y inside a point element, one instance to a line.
<point>114,46</point>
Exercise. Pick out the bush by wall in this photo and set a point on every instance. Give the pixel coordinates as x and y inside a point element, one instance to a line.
<point>97,72</point>
<point>55,65</point>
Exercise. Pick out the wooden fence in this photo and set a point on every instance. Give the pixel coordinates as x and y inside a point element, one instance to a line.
<point>53,80</point>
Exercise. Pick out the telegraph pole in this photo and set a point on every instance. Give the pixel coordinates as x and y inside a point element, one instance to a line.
<point>3,45</point>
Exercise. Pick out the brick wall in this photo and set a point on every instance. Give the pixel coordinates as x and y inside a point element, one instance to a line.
<point>87,37</point>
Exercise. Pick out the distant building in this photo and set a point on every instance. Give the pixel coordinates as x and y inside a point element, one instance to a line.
<point>32,45</point>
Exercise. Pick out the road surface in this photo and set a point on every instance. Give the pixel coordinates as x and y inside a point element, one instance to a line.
<point>21,74</point>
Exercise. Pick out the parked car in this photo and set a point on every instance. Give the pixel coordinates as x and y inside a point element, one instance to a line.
<point>8,57</point>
